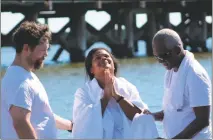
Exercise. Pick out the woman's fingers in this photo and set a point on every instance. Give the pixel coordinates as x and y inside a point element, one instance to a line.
<point>108,83</point>
<point>107,88</point>
<point>105,77</point>
<point>108,77</point>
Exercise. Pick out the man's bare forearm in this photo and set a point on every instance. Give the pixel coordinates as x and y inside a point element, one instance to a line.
<point>191,130</point>
<point>62,123</point>
<point>25,130</point>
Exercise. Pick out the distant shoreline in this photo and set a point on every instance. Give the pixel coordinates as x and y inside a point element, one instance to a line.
<point>49,64</point>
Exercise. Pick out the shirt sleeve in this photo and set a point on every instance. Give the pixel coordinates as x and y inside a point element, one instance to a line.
<point>23,97</point>
<point>199,86</point>
<point>87,117</point>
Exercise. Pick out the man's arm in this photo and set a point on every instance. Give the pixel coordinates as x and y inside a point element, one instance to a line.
<point>62,123</point>
<point>200,122</point>
<point>21,122</point>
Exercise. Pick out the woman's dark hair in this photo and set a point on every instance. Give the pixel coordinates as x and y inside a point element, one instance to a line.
<point>88,62</point>
<point>30,33</point>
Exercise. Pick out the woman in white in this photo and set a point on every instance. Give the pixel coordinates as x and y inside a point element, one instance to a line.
<point>107,106</point>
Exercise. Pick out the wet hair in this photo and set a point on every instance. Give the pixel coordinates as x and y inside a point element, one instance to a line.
<point>30,33</point>
<point>169,37</point>
<point>88,62</point>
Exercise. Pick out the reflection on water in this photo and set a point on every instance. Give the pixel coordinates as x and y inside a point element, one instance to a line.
<point>61,82</point>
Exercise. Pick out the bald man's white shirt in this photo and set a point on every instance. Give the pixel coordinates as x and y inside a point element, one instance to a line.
<point>197,92</point>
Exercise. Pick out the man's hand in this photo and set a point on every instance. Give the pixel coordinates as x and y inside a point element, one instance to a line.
<point>62,123</point>
<point>158,115</point>
<point>21,122</point>
<point>146,111</point>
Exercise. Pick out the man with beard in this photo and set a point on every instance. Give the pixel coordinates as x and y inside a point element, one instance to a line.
<point>187,89</point>
<point>26,112</point>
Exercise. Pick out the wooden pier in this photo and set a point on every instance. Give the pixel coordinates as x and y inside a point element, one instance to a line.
<point>121,33</point>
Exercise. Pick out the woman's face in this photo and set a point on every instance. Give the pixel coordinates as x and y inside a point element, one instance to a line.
<point>101,61</point>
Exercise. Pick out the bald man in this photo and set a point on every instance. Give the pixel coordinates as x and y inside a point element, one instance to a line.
<point>187,89</point>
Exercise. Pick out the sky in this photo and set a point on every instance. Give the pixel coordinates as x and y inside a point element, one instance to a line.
<point>96,19</point>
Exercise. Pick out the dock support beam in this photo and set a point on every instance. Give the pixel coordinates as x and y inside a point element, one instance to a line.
<point>204,33</point>
<point>78,30</point>
<point>130,34</point>
<point>152,31</point>
<point>126,48</point>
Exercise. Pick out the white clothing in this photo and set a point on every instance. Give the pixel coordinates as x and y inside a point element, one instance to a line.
<point>189,87</point>
<point>23,89</point>
<point>88,120</point>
